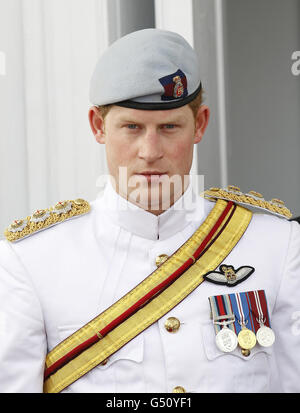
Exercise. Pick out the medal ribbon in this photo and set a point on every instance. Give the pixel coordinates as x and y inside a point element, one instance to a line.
<point>220,306</point>
<point>259,308</point>
<point>241,310</point>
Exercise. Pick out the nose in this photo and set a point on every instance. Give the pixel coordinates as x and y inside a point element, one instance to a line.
<point>150,146</point>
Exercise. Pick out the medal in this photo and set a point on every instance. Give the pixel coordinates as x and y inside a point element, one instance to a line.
<point>246,337</point>
<point>223,319</point>
<point>226,339</point>
<point>241,319</point>
<point>264,334</point>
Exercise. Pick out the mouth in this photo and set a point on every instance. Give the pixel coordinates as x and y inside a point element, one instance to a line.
<point>152,175</point>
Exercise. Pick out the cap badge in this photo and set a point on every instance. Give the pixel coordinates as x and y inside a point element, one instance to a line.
<point>228,275</point>
<point>178,88</point>
<point>175,86</point>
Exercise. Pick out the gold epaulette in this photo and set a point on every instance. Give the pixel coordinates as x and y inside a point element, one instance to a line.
<point>45,218</point>
<point>251,198</point>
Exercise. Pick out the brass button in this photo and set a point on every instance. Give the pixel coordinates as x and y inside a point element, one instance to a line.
<point>160,259</point>
<point>179,389</point>
<point>245,352</point>
<point>104,362</point>
<point>172,324</point>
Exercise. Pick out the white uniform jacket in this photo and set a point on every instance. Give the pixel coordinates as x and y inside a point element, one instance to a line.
<point>56,280</point>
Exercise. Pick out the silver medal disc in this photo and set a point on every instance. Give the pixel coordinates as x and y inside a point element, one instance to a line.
<point>226,340</point>
<point>265,336</point>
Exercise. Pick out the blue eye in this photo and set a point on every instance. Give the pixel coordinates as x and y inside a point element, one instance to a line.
<point>132,126</point>
<point>170,126</point>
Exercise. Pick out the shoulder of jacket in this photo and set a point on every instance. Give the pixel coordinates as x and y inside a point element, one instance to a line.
<point>250,199</point>
<point>46,218</point>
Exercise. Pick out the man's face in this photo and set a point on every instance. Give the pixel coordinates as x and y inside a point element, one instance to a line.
<point>146,150</point>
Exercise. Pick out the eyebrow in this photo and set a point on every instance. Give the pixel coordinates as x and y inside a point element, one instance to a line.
<point>163,122</point>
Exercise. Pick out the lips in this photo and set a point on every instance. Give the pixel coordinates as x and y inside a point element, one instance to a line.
<point>152,175</point>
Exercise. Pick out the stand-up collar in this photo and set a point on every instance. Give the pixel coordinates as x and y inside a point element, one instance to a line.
<point>145,224</point>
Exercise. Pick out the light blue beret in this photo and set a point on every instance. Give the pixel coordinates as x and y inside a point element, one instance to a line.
<point>147,69</point>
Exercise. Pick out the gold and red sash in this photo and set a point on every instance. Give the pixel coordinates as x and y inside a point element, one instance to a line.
<point>150,300</point>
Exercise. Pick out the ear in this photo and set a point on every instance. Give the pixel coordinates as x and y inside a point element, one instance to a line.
<point>201,123</point>
<point>97,124</point>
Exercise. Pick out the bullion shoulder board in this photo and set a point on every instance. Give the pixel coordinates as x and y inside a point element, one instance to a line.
<point>250,199</point>
<point>45,218</point>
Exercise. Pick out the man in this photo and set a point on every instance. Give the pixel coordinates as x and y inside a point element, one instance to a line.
<point>152,288</point>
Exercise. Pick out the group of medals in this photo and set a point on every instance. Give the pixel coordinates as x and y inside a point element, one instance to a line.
<point>241,319</point>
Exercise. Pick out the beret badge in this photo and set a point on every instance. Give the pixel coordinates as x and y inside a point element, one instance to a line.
<point>178,88</point>
<point>175,86</point>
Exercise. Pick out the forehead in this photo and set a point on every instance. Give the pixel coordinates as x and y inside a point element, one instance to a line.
<point>118,113</point>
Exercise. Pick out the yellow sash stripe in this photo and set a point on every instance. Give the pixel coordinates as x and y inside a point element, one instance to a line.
<point>156,308</point>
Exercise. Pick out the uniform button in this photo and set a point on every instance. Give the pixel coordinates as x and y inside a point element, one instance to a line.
<point>172,324</point>
<point>160,259</point>
<point>179,389</point>
<point>245,352</point>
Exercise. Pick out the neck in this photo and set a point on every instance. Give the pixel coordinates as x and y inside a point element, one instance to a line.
<point>155,205</point>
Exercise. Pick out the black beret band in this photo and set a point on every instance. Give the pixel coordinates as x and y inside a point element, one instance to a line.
<point>159,106</point>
